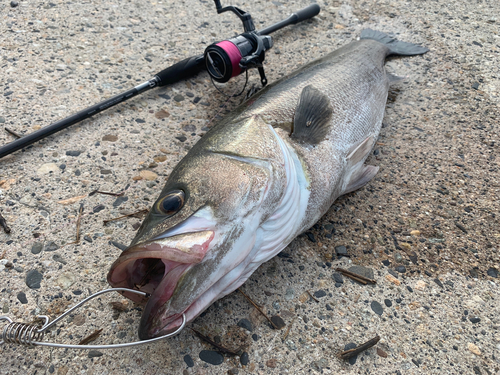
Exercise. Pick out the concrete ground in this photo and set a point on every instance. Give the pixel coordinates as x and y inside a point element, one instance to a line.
<point>426,227</point>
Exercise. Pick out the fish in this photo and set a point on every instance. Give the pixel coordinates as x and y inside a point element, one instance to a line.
<point>261,176</point>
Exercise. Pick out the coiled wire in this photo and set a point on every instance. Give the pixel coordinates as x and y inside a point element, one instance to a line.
<point>21,333</point>
<point>32,335</point>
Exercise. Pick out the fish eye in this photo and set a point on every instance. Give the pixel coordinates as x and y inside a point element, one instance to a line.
<point>171,203</point>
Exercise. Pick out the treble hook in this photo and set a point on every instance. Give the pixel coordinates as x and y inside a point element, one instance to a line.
<point>29,334</point>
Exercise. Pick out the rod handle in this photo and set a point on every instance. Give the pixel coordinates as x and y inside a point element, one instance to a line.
<point>181,70</point>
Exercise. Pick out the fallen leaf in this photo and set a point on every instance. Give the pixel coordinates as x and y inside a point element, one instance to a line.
<point>72,200</point>
<point>381,353</point>
<point>162,114</point>
<point>393,280</point>
<point>5,184</point>
<point>110,138</point>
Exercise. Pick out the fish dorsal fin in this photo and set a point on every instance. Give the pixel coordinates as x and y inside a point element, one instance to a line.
<point>312,116</point>
<point>359,174</point>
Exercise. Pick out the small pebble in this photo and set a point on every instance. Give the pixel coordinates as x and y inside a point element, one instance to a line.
<point>244,359</point>
<point>340,250</point>
<point>36,248</point>
<point>59,259</point>
<point>33,279</point>
<point>338,277</point>
<point>278,321</point>
<point>377,308</point>
<point>319,293</point>
<point>493,272</point>
<point>363,271</point>
<point>349,346</point>
<point>51,246</point>
<point>400,269</point>
<point>94,353</point>
<point>98,208</point>
<point>189,361</point>
<point>119,201</point>
<point>246,324</point>
<point>474,349</point>
<point>209,356</point>
<point>420,285</point>
<point>21,296</point>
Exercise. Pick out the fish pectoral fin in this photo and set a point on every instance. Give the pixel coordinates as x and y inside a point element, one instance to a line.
<point>312,116</point>
<point>393,78</point>
<point>359,179</point>
<point>359,174</point>
<point>359,151</point>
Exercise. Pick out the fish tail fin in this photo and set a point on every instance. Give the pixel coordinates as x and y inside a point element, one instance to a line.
<point>395,46</point>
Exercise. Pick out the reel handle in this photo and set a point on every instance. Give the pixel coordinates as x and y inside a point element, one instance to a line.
<point>299,16</point>
<point>306,13</point>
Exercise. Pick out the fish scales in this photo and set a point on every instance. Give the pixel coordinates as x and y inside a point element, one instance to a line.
<point>354,79</point>
<point>261,176</point>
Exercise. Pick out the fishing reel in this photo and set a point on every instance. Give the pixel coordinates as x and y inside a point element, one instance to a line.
<point>222,60</point>
<point>233,56</point>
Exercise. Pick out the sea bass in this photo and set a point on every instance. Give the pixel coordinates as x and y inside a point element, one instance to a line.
<point>264,174</point>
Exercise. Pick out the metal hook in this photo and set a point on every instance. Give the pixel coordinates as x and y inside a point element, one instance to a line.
<point>28,334</point>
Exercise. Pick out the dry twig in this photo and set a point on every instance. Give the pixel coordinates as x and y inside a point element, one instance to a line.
<point>258,308</point>
<point>288,329</point>
<point>144,211</point>
<point>13,133</point>
<point>92,337</point>
<point>361,348</point>
<point>106,193</point>
<point>118,306</point>
<point>78,222</point>
<point>355,276</point>
<point>220,347</point>
<point>310,295</point>
<point>3,224</point>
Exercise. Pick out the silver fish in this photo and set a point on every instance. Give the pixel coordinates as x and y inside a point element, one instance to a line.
<point>263,175</point>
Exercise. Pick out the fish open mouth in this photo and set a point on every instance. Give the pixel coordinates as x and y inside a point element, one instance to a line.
<point>156,267</point>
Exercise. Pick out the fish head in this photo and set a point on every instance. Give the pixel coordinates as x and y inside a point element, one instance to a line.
<point>191,248</point>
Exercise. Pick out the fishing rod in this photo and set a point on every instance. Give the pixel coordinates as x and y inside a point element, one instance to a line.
<point>222,60</point>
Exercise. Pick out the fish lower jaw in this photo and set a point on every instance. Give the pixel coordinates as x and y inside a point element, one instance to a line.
<point>150,265</point>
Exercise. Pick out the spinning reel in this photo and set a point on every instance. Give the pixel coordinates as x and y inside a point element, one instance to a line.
<point>222,60</point>
<point>231,57</point>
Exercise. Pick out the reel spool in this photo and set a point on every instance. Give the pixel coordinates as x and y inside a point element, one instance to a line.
<point>233,56</point>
